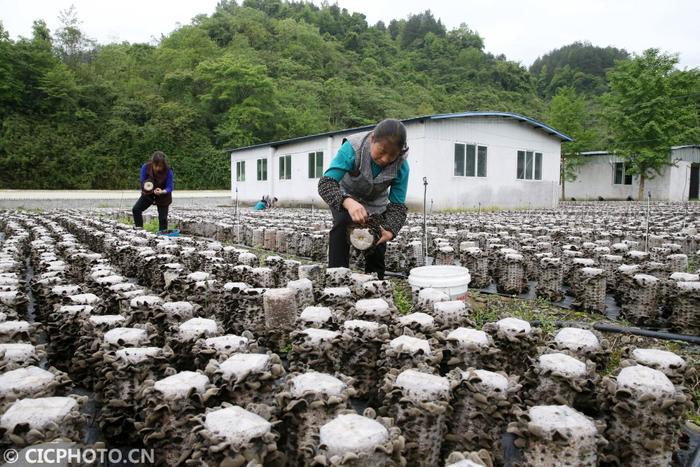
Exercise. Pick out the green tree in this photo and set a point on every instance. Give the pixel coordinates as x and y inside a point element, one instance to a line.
<point>417,27</point>
<point>648,111</point>
<point>568,114</point>
<point>72,45</point>
<point>241,98</point>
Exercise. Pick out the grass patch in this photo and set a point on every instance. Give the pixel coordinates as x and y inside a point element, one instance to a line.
<point>489,308</point>
<point>402,296</point>
<point>616,346</point>
<point>31,210</point>
<point>483,315</point>
<point>260,253</point>
<point>694,413</point>
<point>149,226</point>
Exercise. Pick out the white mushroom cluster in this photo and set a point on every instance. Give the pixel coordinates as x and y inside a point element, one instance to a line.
<point>317,349</point>
<point>87,356</point>
<point>420,404</point>
<point>582,344</point>
<point>29,421</point>
<point>183,337</point>
<point>469,459</point>
<point>231,435</point>
<point>247,378</point>
<point>171,406</point>
<point>557,435</point>
<point>669,363</point>
<point>407,351</point>
<point>516,339</point>
<point>308,401</point>
<point>469,347</point>
<point>560,379</point>
<point>482,406</point>
<point>644,411</point>
<point>358,440</point>
<point>474,259</point>
<point>123,374</point>
<point>361,343</point>
<point>15,355</point>
<point>549,284</point>
<point>220,348</point>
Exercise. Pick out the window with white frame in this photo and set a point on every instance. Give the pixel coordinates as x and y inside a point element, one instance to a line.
<point>315,164</point>
<point>470,160</point>
<point>621,177</point>
<point>240,171</point>
<point>529,165</point>
<point>262,169</point>
<point>286,167</point>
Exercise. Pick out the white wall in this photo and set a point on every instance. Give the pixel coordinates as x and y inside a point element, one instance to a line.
<point>431,155</point>
<point>679,181</point>
<point>500,187</point>
<point>251,189</point>
<point>595,178</point>
<point>300,188</point>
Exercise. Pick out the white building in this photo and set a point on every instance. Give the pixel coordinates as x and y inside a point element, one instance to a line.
<point>469,159</point>
<point>603,175</point>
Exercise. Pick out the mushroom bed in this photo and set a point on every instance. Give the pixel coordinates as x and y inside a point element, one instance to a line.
<point>234,344</point>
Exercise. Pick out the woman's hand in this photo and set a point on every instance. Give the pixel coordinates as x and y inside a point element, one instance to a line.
<point>386,236</point>
<point>157,191</point>
<point>357,211</point>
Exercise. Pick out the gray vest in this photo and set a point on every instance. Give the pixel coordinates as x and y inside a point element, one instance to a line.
<point>372,192</point>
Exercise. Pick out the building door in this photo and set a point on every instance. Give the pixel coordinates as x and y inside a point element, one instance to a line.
<point>694,181</point>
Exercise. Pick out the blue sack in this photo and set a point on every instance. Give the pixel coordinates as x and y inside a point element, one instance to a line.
<point>169,233</point>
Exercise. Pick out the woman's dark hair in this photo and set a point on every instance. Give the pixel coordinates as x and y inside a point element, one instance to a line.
<point>158,158</point>
<point>394,132</point>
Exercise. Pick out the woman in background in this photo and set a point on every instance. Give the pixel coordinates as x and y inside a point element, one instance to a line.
<point>156,188</point>
<point>265,203</point>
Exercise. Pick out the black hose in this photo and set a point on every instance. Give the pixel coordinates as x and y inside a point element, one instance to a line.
<point>693,453</point>
<point>396,274</point>
<point>605,327</point>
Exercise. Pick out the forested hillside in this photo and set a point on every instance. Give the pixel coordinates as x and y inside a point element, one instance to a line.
<point>80,115</point>
<point>578,65</point>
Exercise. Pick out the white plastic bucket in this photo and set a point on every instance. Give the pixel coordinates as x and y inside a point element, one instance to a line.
<point>453,280</point>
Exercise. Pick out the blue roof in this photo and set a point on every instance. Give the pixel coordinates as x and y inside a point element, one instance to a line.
<point>535,123</point>
<point>694,146</point>
<point>608,153</point>
<point>530,121</point>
